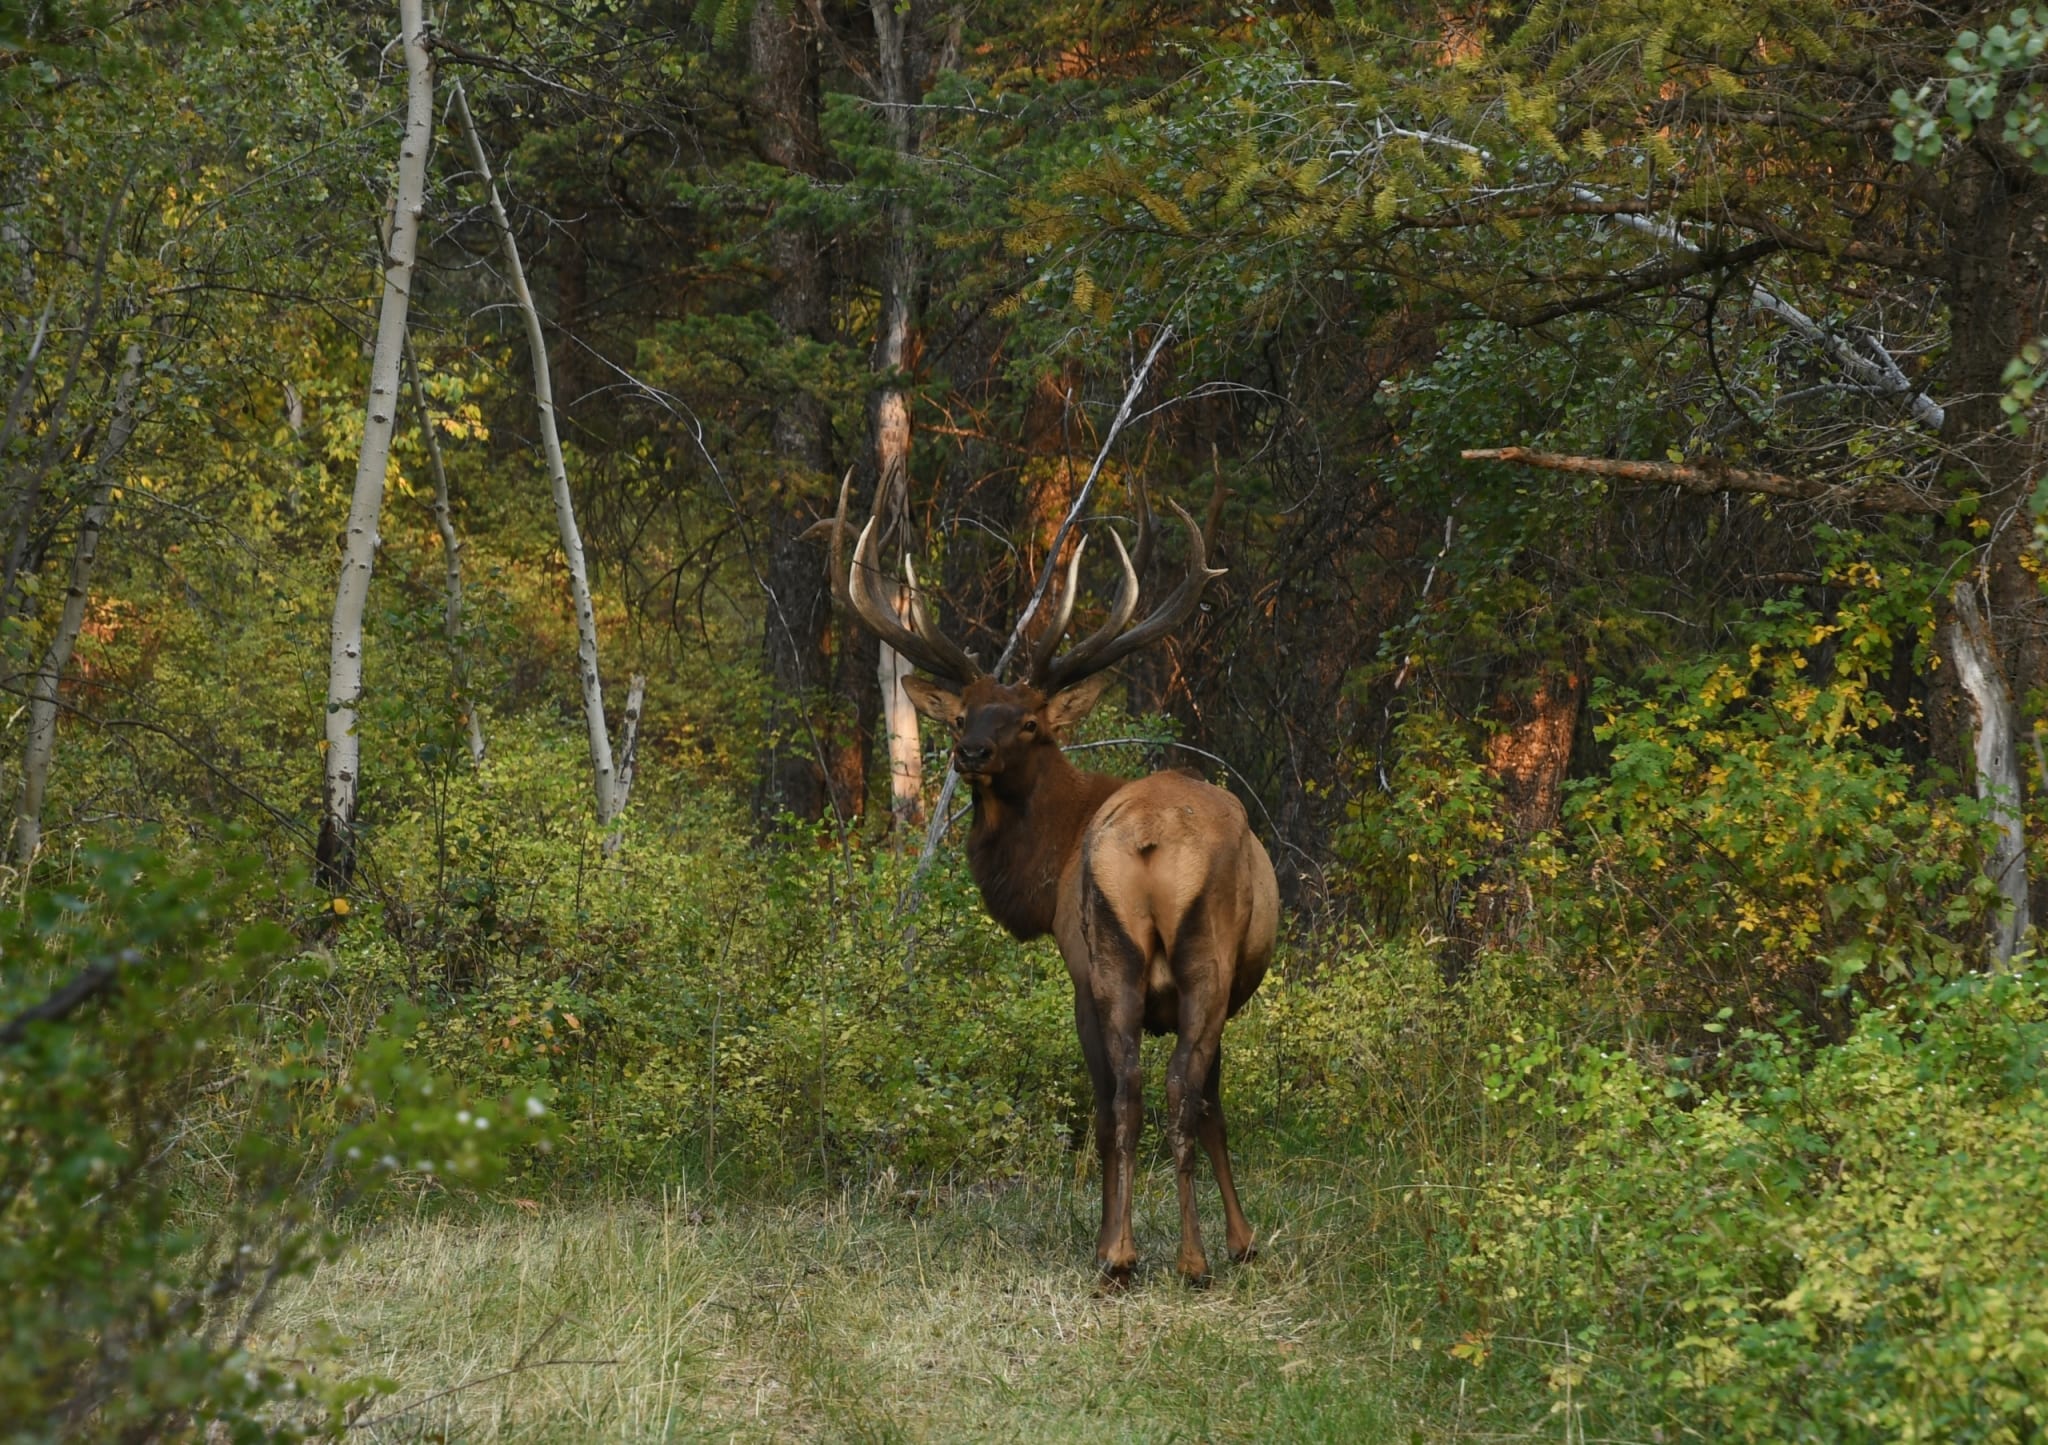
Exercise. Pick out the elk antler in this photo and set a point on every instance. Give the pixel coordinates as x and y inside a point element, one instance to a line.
<point>1116,639</point>
<point>862,591</point>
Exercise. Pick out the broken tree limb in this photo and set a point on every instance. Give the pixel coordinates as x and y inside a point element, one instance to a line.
<point>629,753</point>
<point>1867,361</point>
<point>1710,478</point>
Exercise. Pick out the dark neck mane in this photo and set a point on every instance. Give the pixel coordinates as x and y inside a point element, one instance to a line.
<point>1024,831</point>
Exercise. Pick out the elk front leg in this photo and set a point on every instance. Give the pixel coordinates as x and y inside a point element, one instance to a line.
<point>1096,1055</point>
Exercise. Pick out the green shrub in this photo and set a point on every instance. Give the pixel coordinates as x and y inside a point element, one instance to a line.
<point>1847,1246</point>
<point>173,1144</point>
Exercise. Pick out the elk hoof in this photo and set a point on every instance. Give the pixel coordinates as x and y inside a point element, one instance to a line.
<point>1113,1278</point>
<point>1197,1280</point>
<point>1246,1255</point>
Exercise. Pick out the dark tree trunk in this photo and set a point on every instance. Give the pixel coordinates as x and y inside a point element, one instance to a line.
<point>794,757</point>
<point>1993,219</point>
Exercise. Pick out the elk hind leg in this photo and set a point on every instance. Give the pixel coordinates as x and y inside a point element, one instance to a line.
<point>1202,1010</point>
<point>1237,1228</point>
<point>1116,977</point>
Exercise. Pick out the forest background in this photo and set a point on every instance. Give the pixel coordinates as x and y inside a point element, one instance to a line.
<point>394,1040</point>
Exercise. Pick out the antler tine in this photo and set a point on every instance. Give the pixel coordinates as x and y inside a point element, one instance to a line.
<point>835,552</point>
<point>863,593</point>
<point>1112,643</point>
<point>1049,640</point>
<point>924,645</point>
<point>1076,662</point>
<point>1141,503</point>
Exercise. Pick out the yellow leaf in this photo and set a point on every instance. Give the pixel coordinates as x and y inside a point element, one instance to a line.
<point>340,906</point>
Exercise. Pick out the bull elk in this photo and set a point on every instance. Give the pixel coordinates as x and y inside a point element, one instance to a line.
<point>1162,901</point>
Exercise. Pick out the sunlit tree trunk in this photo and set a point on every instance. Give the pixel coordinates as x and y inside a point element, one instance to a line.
<point>900,94</point>
<point>1996,752</point>
<point>604,775</point>
<point>337,846</point>
<point>451,554</point>
<point>42,701</point>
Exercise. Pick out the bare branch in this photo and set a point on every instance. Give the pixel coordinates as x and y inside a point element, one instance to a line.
<point>1712,478</point>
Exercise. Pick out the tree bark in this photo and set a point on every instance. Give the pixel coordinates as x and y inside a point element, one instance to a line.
<point>1996,749</point>
<point>1991,208</point>
<point>604,775</point>
<point>336,853</point>
<point>451,554</point>
<point>42,703</point>
<point>892,403</point>
<point>794,760</point>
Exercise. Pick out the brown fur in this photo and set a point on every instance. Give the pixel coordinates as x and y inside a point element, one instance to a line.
<point>1164,907</point>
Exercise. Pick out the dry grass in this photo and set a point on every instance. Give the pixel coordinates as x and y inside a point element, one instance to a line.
<point>972,1316</point>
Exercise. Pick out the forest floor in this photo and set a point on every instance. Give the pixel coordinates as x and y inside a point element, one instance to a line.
<point>879,1314</point>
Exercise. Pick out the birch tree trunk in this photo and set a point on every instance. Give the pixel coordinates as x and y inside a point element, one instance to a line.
<point>892,405</point>
<point>337,847</point>
<point>1997,754</point>
<point>451,552</point>
<point>42,700</point>
<point>604,775</point>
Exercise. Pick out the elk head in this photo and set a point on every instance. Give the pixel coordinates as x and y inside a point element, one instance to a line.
<point>1004,734</point>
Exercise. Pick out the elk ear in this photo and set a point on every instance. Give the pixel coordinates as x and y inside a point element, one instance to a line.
<point>940,704</point>
<point>1067,708</point>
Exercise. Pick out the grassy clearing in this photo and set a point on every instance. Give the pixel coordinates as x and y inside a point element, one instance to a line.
<point>874,1315</point>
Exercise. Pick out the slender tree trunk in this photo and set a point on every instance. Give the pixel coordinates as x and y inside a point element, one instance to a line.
<point>42,702</point>
<point>451,553</point>
<point>604,775</point>
<point>28,490</point>
<point>337,847</point>
<point>892,404</point>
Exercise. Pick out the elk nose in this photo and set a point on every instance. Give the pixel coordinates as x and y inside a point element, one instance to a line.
<point>972,757</point>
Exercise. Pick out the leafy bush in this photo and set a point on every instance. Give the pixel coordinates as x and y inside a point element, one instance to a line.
<point>172,1146</point>
<point>1753,843</point>
<point>1847,1246</point>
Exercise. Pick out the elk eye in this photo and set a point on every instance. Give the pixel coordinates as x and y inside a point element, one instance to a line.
<point>959,720</point>
<point>1030,726</point>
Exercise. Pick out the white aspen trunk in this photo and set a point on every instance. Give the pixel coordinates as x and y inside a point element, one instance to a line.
<point>451,552</point>
<point>629,753</point>
<point>42,700</point>
<point>359,547</point>
<point>892,410</point>
<point>1998,765</point>
<point>604,776</point>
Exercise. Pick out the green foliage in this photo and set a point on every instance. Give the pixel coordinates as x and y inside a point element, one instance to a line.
<point>1996,75</point>
<point>1847,1245</point>
<point>169,1152</point>
<point>1752,843</point>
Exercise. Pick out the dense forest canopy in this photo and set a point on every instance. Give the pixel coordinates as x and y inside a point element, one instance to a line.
<point>1619,423</point>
